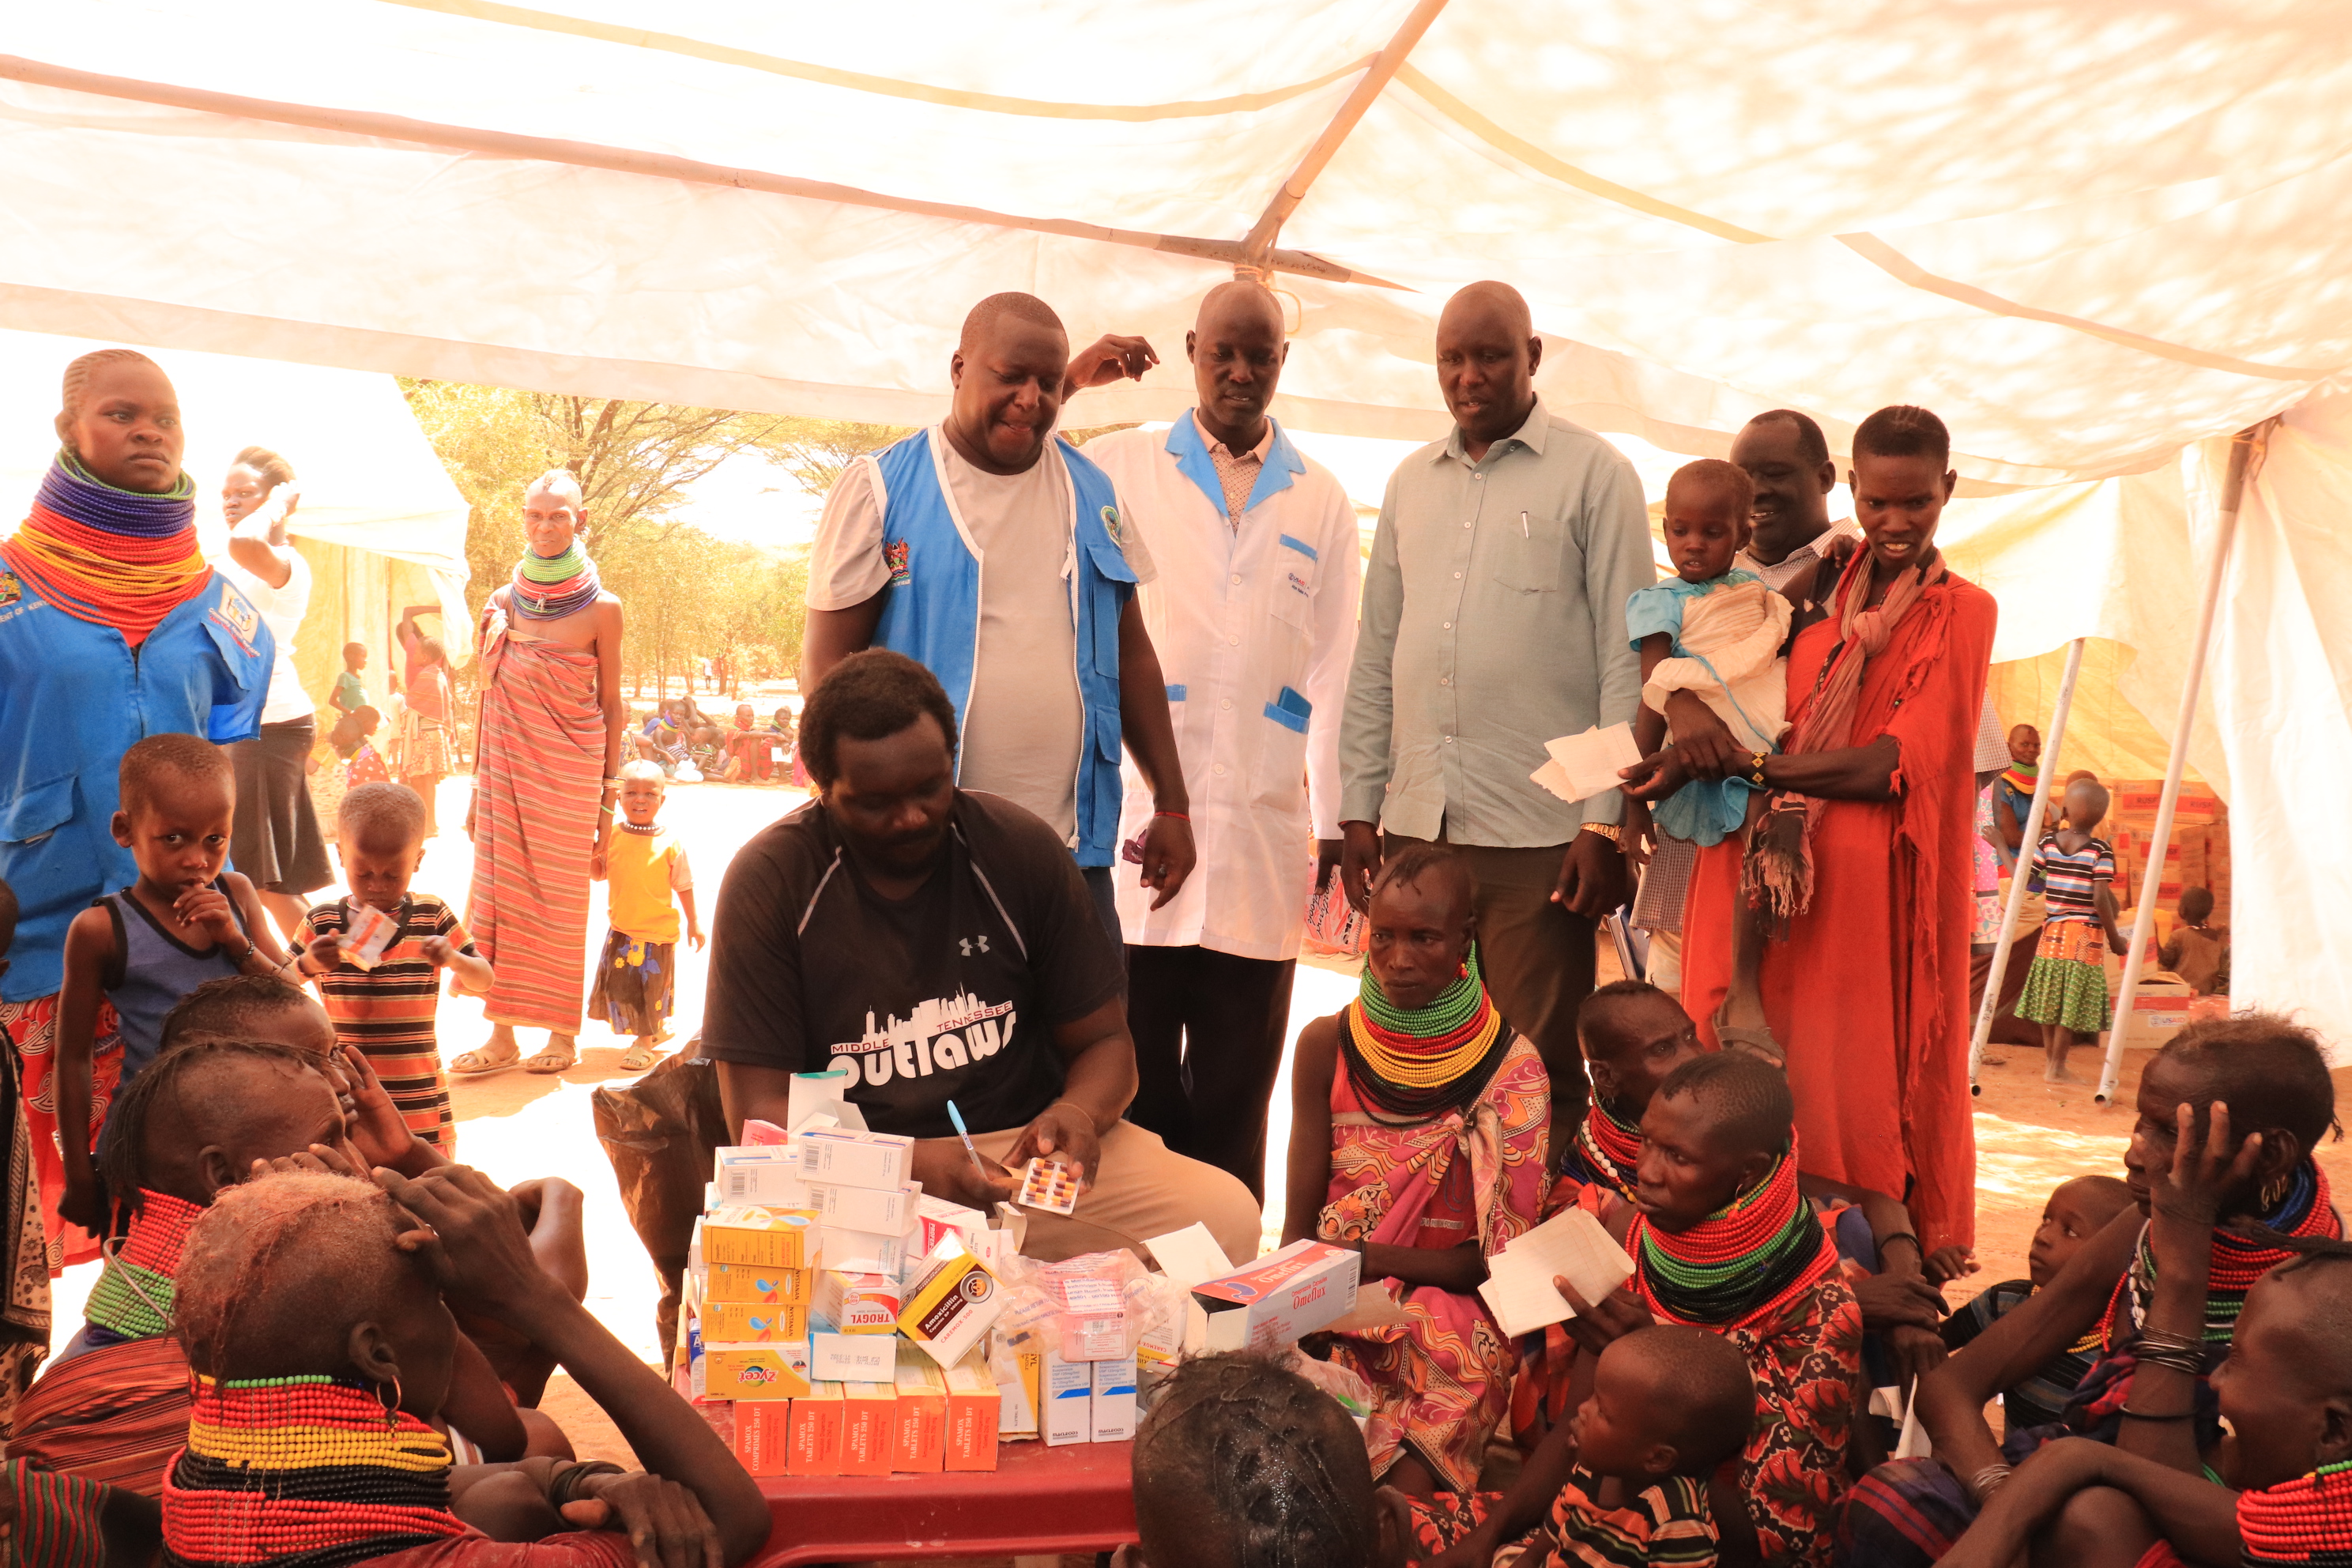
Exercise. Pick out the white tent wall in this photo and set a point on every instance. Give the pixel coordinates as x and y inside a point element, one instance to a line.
<point>2280,647</point>
<point>381,524</point>
<point>2092,234</point>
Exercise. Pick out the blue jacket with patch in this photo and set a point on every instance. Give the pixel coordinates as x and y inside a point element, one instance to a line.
<point>74,695</point>
<point>931,611</point>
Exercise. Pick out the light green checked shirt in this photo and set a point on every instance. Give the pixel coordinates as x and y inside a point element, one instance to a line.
<point>1494,619</point>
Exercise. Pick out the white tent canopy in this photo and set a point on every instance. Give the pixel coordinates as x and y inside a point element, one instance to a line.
<point>2092,234</point>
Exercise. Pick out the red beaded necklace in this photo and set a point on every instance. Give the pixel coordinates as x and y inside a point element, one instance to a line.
<point>1742,1263</point>
<point>2308,1209</point>
<point>2308,1519</point>
<point>134,1298</point>
<point>1611,1149</point>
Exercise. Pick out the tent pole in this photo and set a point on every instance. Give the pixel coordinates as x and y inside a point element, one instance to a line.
<point>2160,838</point>
<point>1990,1007</point>
<point>1257,246</point>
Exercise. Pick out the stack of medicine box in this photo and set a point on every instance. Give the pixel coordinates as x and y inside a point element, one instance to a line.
<point>812,1259</point>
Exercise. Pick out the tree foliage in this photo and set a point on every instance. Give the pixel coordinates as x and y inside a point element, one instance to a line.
<point>689,595</point>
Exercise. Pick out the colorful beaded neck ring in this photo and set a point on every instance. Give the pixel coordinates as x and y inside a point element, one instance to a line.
<point>1426,1060</point>
<point>1612,1151</point>
<point>132,1299</point>
<point>1744,1261</point>
<point>2308,1209</point>
<point>303,1470</point>
<point>2306,1520</point>
<point>112,557</point>
<point>548,588</point>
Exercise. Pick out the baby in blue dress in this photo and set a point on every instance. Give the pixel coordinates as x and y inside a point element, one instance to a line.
<point>1716,632</point>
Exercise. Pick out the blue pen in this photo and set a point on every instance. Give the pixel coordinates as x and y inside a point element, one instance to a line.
<point>957,1117</point>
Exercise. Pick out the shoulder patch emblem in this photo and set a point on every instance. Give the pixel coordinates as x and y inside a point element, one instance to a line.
<point>1110,525</point>
<point>236,612</point>
<point>894,555</point>
<point>11,590</point>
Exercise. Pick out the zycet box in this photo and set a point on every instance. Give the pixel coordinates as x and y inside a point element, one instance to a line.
<point>1289,1292</point>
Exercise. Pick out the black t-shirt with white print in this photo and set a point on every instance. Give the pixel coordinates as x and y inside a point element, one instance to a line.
<point>952,993</point>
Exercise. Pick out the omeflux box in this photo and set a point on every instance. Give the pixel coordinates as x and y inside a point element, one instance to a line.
<point>762,1237</point>
<point>1284,1294</point>
<point>751,1282</point>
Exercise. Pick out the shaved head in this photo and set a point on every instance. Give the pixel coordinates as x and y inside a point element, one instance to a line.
<point>559,482</point>
<point>1499,298</point>
<point>982,321</point>
<point>1243,299</point>
<point>1744,1098</point>
<point>1702,1396</point>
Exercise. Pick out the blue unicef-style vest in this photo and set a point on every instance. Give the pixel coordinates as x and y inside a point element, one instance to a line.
<point>930,612</point>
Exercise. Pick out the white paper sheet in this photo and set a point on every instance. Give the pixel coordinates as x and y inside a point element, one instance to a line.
<point>1518,1288</point>
<point>1578,767</point>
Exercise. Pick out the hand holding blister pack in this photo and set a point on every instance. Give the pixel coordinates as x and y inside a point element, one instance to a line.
<point>1049,1184</point>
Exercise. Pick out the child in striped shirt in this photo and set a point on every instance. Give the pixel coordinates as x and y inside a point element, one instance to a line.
<point>2066,989</point>
<point>386,1009</point>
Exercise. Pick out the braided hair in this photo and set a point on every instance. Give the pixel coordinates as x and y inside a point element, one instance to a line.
<point>1278,1464</point>
<point>168,1089</point>
<point>78,375</point>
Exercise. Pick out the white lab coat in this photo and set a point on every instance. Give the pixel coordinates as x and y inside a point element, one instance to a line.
<point>1238,620</point>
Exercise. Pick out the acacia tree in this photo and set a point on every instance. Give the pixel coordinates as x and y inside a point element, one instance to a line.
<point>689,594</point>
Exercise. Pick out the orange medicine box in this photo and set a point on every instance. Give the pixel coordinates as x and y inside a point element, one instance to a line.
<point>753,1282</point>
<point>973,1403</point>
<point>742,1322</point>
<point>764,1238</point>
<point>869,1426</point>
<point>775,1370</point>
<point>815,1438</point>
<point>763,1435</point>
<point>920,1443</point>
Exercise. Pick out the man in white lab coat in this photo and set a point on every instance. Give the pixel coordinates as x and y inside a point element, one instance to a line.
<point>1254,615</point>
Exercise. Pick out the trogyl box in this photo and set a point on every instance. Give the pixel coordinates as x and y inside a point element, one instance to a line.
<point>1284,1294</point>
<point>857,1303</point>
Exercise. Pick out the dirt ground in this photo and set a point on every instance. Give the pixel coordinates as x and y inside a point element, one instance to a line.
<point>2030,1135</point>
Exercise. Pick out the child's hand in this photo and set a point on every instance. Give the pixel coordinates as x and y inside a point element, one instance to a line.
<point>325,953</point>
<point>694,935</point>
<point>209,911</point>
<point>438,951</point>
<point>1948,1263</point>
<point>375,1126</point>
<point>1640,832</point>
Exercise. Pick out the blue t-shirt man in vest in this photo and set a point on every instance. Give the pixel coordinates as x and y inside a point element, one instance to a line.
<point>999,557</point>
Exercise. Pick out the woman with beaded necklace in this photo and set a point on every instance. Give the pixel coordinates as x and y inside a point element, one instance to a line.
<point>1721,1240</point>
<point>311,1308</point>
<point>2157,1293</point>
<point>1417,1138</point>
<point>111,628</point>
<point>547,763</point>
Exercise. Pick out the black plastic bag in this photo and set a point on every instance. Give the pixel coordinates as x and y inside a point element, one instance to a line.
<point>659,1133</point>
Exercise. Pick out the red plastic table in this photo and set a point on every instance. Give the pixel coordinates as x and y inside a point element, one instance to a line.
<point>1038,1501</point>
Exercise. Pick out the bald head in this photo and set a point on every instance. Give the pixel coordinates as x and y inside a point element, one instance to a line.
<point>1487,352</point>
<point>1237,349</point>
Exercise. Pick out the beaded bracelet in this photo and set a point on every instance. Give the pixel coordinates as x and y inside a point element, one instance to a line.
<point>1178,816</point>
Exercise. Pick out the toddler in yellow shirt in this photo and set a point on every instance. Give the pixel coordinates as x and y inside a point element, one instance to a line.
<point>649,880</point>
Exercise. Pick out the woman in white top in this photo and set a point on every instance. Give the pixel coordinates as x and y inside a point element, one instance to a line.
<point>275,841</point>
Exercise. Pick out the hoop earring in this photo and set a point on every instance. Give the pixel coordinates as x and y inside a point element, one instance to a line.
<point>391,1406</point>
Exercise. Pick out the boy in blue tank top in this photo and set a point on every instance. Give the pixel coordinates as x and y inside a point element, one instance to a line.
<point>185,921</point>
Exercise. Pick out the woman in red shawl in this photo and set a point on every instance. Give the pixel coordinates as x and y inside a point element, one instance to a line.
<point>1863,858</point>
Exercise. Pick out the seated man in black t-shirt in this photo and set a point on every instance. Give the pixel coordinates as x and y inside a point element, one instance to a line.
<point>940,944</point>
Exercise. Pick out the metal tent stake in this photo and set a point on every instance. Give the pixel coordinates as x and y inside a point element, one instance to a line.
<point>2027,838</point>
<point>2160,838</point>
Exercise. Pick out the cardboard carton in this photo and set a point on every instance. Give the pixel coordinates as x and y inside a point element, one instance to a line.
<point>1114,1400</point>
<point>750,1372</point>
<point>1284,1294</point>
<point>763,1435</point>
<point>857,1303</point>
<point>749,1282</point>
<point>761,1237</point>
<point>920,1439</point>
<point>837,1357</point>
<point>869,1423</point>
<point>839,1157</point>
<point>747,1322</point>
<point>952,1305</point>
<point>974,1404</point>
<point>884,1211</point>
<point>1069,1412</point>
<point>815,1434</point>
<point>863,1251</point>
<point>1019,1396</point>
